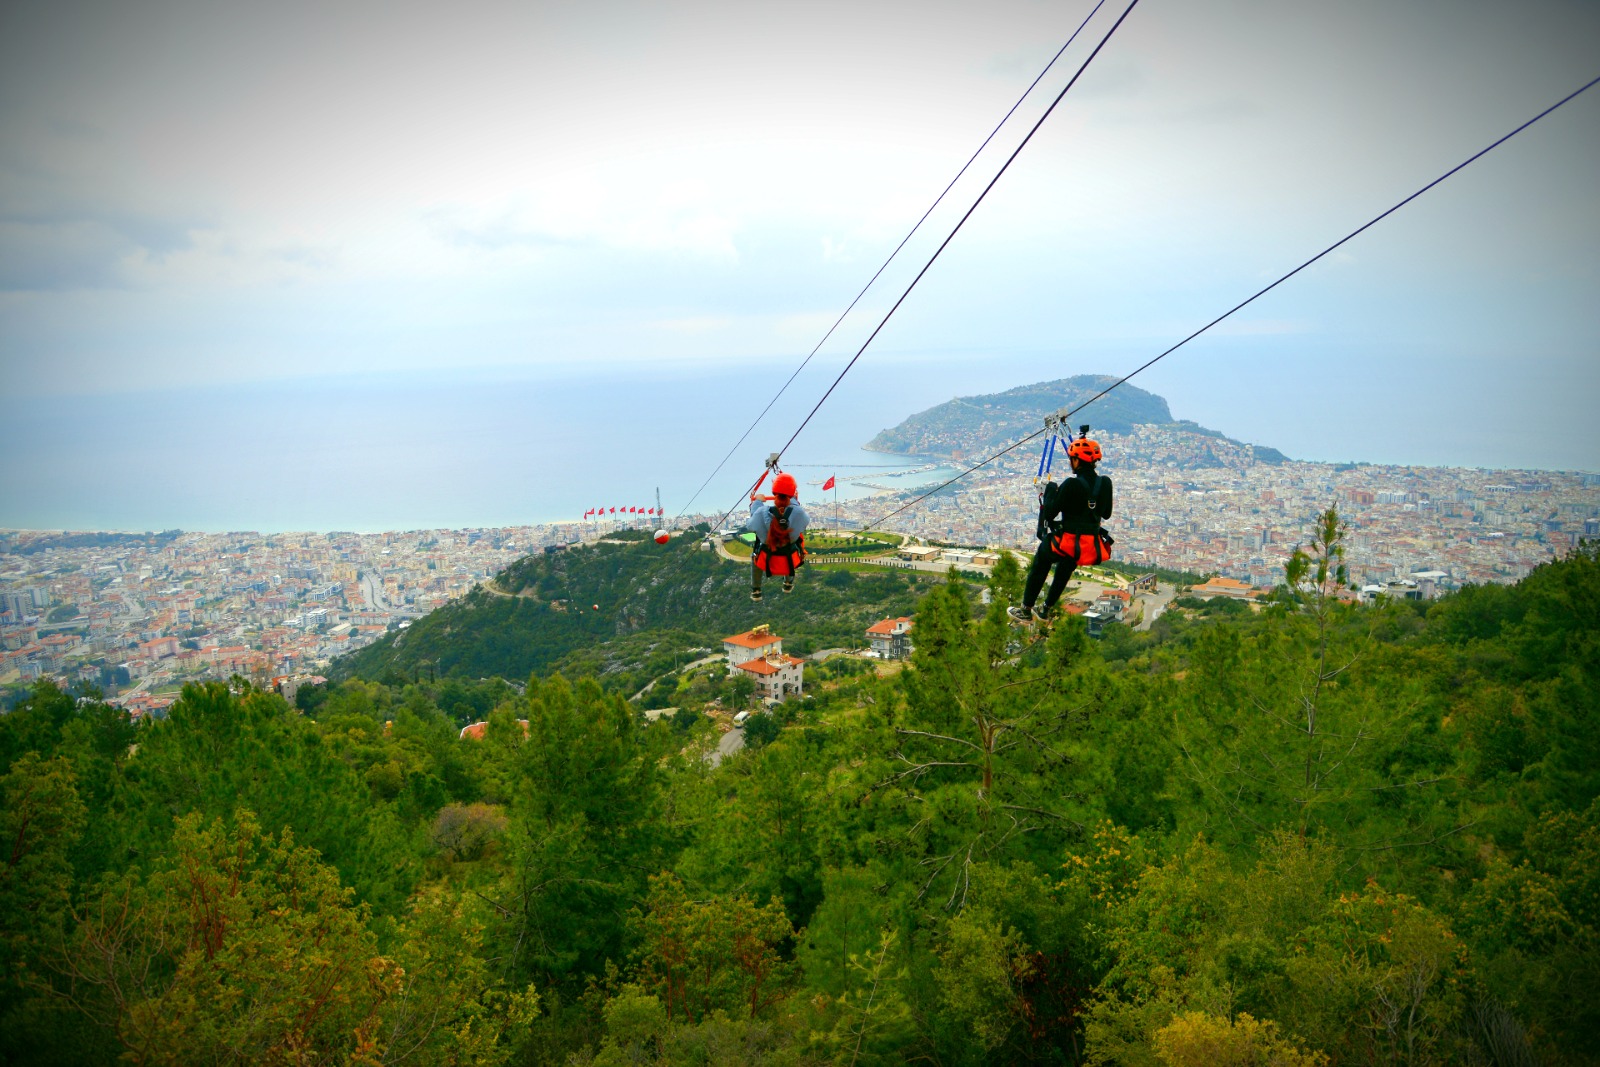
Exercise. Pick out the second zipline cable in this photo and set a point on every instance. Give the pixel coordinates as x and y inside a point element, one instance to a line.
<point>1248,300</point>
<point>885,265</point>
<point>946,242</point>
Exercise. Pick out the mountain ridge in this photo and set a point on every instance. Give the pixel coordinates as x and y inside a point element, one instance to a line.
<point>990,421</point>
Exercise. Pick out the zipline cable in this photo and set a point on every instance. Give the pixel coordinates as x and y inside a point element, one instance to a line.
<point>946,242</point>
<point>885,266</point>
<point>1259,293</point>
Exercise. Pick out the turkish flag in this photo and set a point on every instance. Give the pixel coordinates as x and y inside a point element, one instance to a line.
<point>827,484</point>
<point>613,511</point>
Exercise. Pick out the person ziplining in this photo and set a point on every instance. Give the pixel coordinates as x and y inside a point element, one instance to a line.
<point>1068,527</point>
<point>780,528</point>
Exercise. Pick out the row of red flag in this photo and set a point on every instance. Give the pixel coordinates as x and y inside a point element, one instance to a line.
<point>601,512</point>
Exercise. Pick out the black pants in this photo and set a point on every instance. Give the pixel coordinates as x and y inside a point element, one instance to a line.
<point>1042,561</point>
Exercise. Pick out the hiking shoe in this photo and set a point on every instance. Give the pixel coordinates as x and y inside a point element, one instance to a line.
<point>1043,614</point>
<point>1020,614</point>
<point>755,594</point>
<point>788,585</point>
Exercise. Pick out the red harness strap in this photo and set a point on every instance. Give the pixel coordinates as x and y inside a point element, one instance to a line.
<point>1083,549</point>
<point>782,551</point>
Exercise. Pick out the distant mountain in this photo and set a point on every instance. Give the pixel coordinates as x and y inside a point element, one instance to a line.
<point>971,424</point>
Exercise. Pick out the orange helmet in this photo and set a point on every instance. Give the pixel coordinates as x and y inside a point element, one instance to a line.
<point>1084,450</point>
<point>784,485</point>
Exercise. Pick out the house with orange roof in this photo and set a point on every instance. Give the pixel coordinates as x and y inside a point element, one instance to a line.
<point>777,676</point>
<point>476,731</point>
<point>752,644</point>
<point>891,638</point>
<point>758,654</point>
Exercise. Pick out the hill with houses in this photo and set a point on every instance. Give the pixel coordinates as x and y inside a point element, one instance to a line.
<point>969,426</point>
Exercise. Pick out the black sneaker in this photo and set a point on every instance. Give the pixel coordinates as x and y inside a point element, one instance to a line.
<point>788,585</point>
<point>1043,614</point>
<point>755,594</point>
<point>1020,614</point>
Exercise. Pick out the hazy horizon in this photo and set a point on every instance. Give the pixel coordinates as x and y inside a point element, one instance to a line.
<point>492,450</point>
<point>600,207</point>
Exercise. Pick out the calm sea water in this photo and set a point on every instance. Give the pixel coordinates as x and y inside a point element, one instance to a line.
<point>458,449</point>
<point>420,452</point>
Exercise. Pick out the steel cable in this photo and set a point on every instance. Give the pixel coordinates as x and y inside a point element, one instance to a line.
<point>1063,417</point>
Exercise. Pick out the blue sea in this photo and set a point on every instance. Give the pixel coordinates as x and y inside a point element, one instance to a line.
<point>456,449</point>
<point>438,451</point>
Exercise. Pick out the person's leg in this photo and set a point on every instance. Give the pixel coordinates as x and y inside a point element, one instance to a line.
<point>755,578</point>
<point>1058,584</point>
<point>793,561</point>
<point>1042,560</point>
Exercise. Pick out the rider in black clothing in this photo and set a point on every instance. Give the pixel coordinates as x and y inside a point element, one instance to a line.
<point>1069,528</point>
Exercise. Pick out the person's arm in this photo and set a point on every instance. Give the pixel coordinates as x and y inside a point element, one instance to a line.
<point>1105,498</point>
<point>1049,505</point>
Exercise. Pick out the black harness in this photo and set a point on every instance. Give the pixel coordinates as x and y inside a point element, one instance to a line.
<point>1050,527</point>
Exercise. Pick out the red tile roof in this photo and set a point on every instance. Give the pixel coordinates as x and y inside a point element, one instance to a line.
<point>770,665</point>
<point>886,627</point>
<point>476,730</point>
<point>751,639</point>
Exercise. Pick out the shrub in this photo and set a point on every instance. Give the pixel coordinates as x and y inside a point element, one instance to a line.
<point>466,831</point>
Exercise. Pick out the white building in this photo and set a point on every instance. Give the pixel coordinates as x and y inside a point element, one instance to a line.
<point>758,654</point>
<point>777,676</point>
<point>891,638</point>
<point>752,644</point>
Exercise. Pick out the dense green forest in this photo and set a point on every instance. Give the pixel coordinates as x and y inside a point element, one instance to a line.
<point>1317,834</point>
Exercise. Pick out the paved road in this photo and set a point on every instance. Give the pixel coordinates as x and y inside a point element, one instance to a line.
<point>676,670</point>
<point>372,592</point>
<point>727,745</point>
<point>1155,604</point>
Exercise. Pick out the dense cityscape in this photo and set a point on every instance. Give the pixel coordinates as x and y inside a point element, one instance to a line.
<point>138,615</point>
<point>1199,503</point>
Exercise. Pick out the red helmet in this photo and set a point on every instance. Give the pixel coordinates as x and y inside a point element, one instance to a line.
<point>784,485</point>
<point>1084,450</point>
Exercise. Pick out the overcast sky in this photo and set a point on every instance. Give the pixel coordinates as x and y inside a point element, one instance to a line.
<point>211,193</point>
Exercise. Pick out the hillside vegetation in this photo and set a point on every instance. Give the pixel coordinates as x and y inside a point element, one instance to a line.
<point>628,611</point>
<point>1321,834</point>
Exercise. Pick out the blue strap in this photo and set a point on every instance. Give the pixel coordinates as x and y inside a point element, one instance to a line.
<point>1050,453</point>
